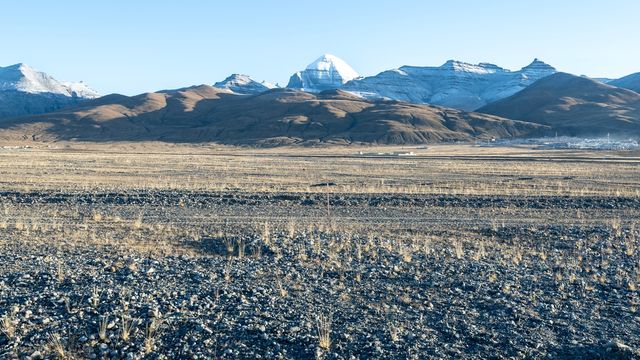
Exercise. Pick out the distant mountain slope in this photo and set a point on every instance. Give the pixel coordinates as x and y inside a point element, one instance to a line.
<point>631,82</point>
<point>275,117</point>
<point>244,84</point>
<point>602,80</point>
<point>574,106</point>
<point>25,91</point>
<point>455,84</point>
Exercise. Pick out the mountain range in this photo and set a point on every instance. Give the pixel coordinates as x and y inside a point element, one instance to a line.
<point>329,102</point>
<point>276,117</point>
<point>455,84</point>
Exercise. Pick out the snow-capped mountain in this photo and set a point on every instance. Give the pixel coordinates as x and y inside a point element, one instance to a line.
<point>21,77</point>
<point>326,73</point>
<point>244,84</point>
<point>25,91</point>
<point>455,84</point>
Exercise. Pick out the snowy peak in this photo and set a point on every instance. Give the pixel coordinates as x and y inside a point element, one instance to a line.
<point>17,68</point>
<point>21,77</point>
<point>538,66</point>
<point>334,66</point>
<point>244,84</point>
<point>25,91</point>
<point>325,73</point>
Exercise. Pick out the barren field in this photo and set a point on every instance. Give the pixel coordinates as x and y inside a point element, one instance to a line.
<point>173,251</point>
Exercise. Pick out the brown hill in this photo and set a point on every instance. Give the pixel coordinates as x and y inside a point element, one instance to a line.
<point>575,106</point>
<point>631,82</point>
<point>277,117</point>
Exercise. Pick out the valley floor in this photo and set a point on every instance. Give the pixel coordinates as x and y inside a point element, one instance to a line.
<point>201,252</point>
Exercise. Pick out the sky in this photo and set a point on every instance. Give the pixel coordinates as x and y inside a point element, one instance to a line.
<point>130,47</point>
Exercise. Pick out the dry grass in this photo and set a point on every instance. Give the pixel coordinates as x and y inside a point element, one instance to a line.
<point>150,335</point>
<point>323,328</point>
<point>442,170</point>
<point>102,329</point>
<point>126,326</point>
<point>57,347</point>
<point>334,244</point>
<point>8,326</point>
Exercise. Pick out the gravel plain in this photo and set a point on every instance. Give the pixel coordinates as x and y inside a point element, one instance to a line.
<point>201,275</point>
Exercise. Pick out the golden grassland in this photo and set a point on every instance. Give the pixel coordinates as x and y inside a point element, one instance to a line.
<point>463,170</point>
<point>444,169</point>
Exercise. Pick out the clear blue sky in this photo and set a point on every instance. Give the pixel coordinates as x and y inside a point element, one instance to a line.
<point>135,46</point>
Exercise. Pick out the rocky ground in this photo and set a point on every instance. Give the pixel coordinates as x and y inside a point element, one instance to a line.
<point>259,276</point>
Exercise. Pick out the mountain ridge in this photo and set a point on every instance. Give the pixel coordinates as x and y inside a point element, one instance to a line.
<point>534,100</point>
<point>275,117</point>
<point>454,84</point>
<point>573,105</point>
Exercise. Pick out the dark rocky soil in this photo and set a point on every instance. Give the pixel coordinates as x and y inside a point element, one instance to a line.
<point>249,276</point>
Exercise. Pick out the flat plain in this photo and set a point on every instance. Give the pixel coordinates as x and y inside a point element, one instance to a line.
<point>181,251</point>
